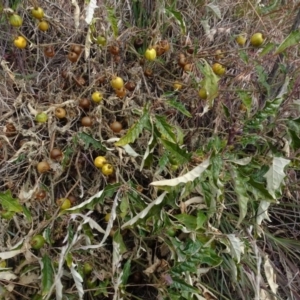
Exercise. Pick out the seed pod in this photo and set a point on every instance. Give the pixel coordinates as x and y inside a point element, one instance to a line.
<point>56,154</point>
<point>43,167</point>
<point>40,195</point>
<point>76,49</point>
<point>84,103</point>
<point>60,112</point>
<point>49,51</point>
<point>86,122</point>
<point>72,57</point>
<point>116,126</point>
<point>130,86</point>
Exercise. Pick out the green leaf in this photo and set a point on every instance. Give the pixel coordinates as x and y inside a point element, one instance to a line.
<point>271,109</point>
<point>246,99</point>
<point>181,156</point>
<point>262,78</point>
<point>295,143</point>
<point>215,9</point>
<point>67,155</point>
<point>179,106</point>
<point>216,168</point>
<point>210,81</point>
<point>9,203</point>
<point>181,285</point>
<point>89,141</point>
<point>118,240</point>
<point>267,49</point>
<point>126,272</point>
<point>201,219</point>
<point>190,222</point>
<point>244,56</point>
<point>113,20</point>
<point>258,190</point>
<point>209,257</point>
<point>134,132</point>
<point>163,160</point>
<point>294,125</point>
<point>240,184</point>
<point>165,128</point>
<point>292,39</point>
<point>177,15</point>
<point>108,192</point>
<point>226,111</point>
<point>27,214</point>
<point>276,174</point>
<point>47,274</point>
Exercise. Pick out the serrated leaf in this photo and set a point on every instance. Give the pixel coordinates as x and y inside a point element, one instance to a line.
<point>292,39</point>
<point>89,142</point>
<point>165,128</point>
<point>190,176</point>
<point>163,161</point>
<point>9,203</point>
<point>90,9</point>
<point>27,214</point>
<point>294,125</point>
<point>240,184</point>
<point>263,78</point>
<point>210,81</point>
<point>108,191</point>
<point>78,281</point>
<point>47,274</point>
<point>145,211</point>
<point>236,247</point>
<point>179,106</point>
<point>267,49</point>
<point>181,156</point>
<point>177,15</point>
<point>215,9</point>
<point>209,257</point>
<point>190,222</point>
<point>262,212</point>
<point>134,132</point>
<point>276,174</point>
<point>183,286</point>
<point>118,238</point>
<point>113,20</point>
<point>126,272</point>
<point>246,99</point>
<point>242,161</point>
<point>270,275</point>
<point>295,139</point>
